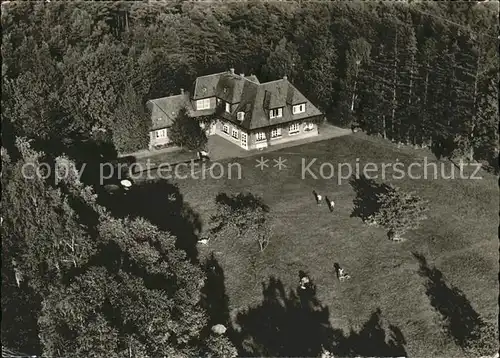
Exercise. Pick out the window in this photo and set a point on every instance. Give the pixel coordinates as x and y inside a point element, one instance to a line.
<point>228,107</point>
<point>241,116</point>
<point>235,134</point>
<point>300,108</point>
<point>244,139</point>
<point>276,113</point>
<point>294,128</point>
<point>162,133</point>
<point>260,136</point>
<point>308,126</point>
<point>225,128</point>
<point>276,132</point>
<point>203,104</point>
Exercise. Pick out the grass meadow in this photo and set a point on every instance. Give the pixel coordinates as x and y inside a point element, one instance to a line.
<point>458,240</point>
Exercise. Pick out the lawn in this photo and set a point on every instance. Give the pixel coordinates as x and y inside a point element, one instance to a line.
<point>459,239</point>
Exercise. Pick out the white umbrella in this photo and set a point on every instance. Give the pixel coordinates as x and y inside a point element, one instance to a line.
<point>126,184</point>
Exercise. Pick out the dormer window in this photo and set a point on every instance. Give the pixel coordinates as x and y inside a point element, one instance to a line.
<point>300,108</point>
<point>228,107</point>
<point>241,116</point>
<point>276,113</point>
<point>203,104</point>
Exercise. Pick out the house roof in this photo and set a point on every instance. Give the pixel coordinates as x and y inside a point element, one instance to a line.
<point>164,110</point>
<point>246,92</point>
<point>224,85</point>
<point>275,94</point>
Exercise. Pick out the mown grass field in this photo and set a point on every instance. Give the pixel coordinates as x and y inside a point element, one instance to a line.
<point>459,239</point>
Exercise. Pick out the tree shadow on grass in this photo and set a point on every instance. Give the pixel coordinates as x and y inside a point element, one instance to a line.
<point>214,298</point>
<point>283,325</point>
<point>297,324</point>
<point>366,202</point>
<point>460,319</point>
<point>371,340</point>
<point>163,205</point>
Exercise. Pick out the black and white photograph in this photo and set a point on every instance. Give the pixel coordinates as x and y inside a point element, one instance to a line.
<point>250,178</point>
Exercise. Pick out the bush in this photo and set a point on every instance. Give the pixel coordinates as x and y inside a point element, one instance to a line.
<point>399,211</point>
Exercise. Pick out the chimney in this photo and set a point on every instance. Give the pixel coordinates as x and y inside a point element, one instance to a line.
<point>182,90</point>
<point>231,70</point>
<point>285,77</point>
<point>242,74</point>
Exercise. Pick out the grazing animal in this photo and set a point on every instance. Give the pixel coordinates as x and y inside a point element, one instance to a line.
<point>343,275</point>
<point>330,203</point>
<point>317,197</point>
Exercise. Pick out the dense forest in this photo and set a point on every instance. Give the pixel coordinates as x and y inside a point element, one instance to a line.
<point>75,77</point>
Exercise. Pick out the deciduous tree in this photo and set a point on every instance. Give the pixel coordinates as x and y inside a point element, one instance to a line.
<point>399,211</point>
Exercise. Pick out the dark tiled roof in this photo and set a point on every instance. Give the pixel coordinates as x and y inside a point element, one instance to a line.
<point>205,86</point>
<point>280,93</point>
<point>164,110</point>
<point>230,87</point>
<point>224,85</point>
<point>251,96</point>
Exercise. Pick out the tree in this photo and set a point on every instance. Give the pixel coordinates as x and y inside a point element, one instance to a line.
<point>130,124</point>
<point>242,215</point>
<point>486,344</point>
<point>187,132</point>
<point>399,211</point>
<point>283,61</point>
<point>356,58</point>
<point>106,286</point>
<point>141,294</point>
<point>44,233</point>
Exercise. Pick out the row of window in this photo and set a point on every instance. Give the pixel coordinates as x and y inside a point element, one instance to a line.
<point>202,104</point>
<point>235,133</point>
<point>294,128</point>
<point>278,112</point>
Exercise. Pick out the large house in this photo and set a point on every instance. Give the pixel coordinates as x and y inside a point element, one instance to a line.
<point>253,115</point>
